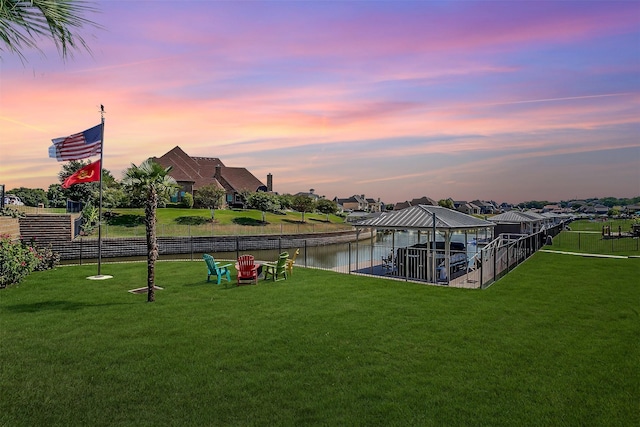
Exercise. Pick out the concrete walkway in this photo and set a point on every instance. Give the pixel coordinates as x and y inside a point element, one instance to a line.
<point>587,255</point>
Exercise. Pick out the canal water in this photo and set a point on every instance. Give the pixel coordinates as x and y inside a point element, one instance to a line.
<point>339,257</point>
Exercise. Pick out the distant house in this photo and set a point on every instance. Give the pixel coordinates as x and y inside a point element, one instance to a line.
<point>631,209</point>
<point>311,194</point>
<point>552,208</point>
<point>594,209</point>
<point>485,207</point>
<point>424,200</point>
<point>375,205</point>
<point>192,173</point>
<point>505,207</point>
<point>465,207</point>
<point>353,203</point>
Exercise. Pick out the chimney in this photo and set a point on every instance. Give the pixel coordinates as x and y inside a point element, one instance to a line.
<point>218,169</point>
<point>269,182</point>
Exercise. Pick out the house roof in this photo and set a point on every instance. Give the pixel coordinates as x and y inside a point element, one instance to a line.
<point>420,217</point>
<point>198,170</point>
<point>201,171</point>
<point>240,179</point>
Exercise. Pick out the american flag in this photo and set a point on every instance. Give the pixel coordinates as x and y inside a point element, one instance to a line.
<point>77,146</point>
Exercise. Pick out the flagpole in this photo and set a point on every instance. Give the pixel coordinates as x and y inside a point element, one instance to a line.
<point>99,276</point>
<point>100,205</point>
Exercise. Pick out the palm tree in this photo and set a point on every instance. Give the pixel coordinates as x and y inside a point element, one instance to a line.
<point>24,22</point>
<point>152,181</point>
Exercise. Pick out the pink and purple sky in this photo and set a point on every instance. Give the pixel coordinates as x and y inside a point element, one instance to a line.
<point>495,100</point>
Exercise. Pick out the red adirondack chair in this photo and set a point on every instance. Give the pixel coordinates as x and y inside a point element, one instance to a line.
<point>247,269</point>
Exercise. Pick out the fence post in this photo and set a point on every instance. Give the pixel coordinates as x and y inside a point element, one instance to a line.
<point>81,250</point>
<point>495,262</point>
<point>371,257</point>
<point>237,247</point>
<point>305,252</point>
<point>191,244</point>
<point>279,245</point>
<point>349,259</point>
<point>481,267</point>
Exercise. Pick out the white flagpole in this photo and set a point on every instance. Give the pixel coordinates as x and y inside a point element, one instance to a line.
<point>100,276</point>
<point>100,205</point>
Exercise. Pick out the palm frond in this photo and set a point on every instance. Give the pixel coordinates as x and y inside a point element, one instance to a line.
<point>24,22</point>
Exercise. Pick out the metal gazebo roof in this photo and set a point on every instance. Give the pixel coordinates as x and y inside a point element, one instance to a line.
<point>517,217</point>
<point>420,217</point>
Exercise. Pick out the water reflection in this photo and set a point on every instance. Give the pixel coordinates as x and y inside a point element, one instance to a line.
<point>340,257</point>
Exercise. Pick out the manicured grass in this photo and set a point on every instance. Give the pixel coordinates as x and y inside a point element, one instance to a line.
<point>594,243</point>
<point>168,216</point>
<point>130,222</point>
<point>595,225</point>
<point>553,343</point>
<point>586,237</point>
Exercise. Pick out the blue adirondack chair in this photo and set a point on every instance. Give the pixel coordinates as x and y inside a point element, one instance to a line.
<point>216,269</point>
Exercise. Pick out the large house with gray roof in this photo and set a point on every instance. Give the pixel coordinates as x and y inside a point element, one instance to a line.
<point>192,173</point>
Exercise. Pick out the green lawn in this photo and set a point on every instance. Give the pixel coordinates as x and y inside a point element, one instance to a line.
<point>586,237</point>
<point>596,225</point>
<point>184,222</point>
<point>553,343</point>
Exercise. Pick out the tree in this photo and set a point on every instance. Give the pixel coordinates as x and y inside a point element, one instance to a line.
<point>86,192</point>
<point>326,207</point>
<point>113,197</point>
<point>286,201</point>
<point>446,203</point>
<point>30,196</point>
<point>209,196</point>
<point>244,195</point>
<point>302,203</point>
<point>24,23</point>
<point>150,180</point>
<point>265,202</point>
<point>56,196</point>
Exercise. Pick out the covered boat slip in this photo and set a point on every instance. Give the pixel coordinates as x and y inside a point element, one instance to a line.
<point>439,255</point>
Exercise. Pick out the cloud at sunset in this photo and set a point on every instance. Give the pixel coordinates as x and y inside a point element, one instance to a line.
<point>395,100</point>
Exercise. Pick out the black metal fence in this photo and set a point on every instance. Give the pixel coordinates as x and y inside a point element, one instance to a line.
<point>367,256</point>
<point>596,243</point>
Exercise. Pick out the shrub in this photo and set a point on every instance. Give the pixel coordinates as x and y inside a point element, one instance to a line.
<point>47,258</point>
<point>6,211</point>
<point>187,201</point>
<point>19,259</point>
<point>192,220</point>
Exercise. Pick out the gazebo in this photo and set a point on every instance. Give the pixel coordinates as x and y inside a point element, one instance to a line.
<point>516,222</point>
<point>431,220</point>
